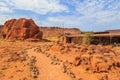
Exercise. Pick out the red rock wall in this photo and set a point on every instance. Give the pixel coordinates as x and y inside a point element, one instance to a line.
<point>21,29</point>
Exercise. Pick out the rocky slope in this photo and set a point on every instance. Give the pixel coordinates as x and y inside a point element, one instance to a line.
<point>56,61</point>
<point>57,31</point>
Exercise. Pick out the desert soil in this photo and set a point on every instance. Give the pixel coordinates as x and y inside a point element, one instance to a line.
<point>21,60</point>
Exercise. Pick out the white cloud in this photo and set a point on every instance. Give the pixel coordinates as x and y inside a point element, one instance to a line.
<point>38,6</point>
<point>4,8</point>
<point>3,18</point>
<point>99,12</point>
<point>67,21</point>
<point>87,13</point>
<point>95,12</point>
<point>2,4</point>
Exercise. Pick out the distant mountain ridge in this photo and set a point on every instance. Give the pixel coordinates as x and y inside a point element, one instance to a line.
<point>57,31</point>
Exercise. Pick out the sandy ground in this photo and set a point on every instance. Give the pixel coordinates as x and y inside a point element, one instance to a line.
<point>48,71</point>
<point>15,60</point>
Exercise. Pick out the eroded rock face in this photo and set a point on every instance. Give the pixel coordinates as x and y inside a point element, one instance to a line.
<point>21,29</point>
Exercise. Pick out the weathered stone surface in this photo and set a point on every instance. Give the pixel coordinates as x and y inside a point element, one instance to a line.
<point>21,29</point>
<point>95,58</point>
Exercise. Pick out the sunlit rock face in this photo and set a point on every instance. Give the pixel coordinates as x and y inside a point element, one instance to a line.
<point>21,29</point>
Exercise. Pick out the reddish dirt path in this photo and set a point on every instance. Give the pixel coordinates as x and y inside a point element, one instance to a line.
<point>46,69</point>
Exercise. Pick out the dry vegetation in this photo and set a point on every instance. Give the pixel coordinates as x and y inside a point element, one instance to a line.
<point>51,38</point>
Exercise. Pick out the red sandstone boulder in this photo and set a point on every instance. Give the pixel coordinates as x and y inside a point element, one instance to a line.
<point>21,29</point>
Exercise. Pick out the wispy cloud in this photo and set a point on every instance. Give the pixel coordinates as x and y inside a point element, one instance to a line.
<point>96,14</point>
<point>37,6</point>
<point>4,8</point>
<point>83,14</point>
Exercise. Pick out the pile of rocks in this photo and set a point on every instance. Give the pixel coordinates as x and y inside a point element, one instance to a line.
<point>93,58</point>
<point>34,72</point>
<point>97,59</point>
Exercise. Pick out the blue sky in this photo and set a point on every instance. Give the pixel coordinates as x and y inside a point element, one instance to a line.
<point>87,15</point>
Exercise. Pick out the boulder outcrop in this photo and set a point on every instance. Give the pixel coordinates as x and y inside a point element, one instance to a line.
<point>21,29</point>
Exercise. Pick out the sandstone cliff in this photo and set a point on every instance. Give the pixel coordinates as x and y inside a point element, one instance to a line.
<point>21,29</point>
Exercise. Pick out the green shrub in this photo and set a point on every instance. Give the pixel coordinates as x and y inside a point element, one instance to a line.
<point>87,38</point>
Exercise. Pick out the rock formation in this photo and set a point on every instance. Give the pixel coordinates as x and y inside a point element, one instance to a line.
<point>21,29</point>
<point>57,31</point>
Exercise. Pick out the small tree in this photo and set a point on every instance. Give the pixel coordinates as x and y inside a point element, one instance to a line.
<point>87,38</point>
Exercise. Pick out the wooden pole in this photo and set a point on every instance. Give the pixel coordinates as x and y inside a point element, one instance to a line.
<point>110,40</point>
<point>99,40</point>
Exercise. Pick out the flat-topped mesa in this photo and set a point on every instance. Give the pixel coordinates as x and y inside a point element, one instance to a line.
<point>21,29</point>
